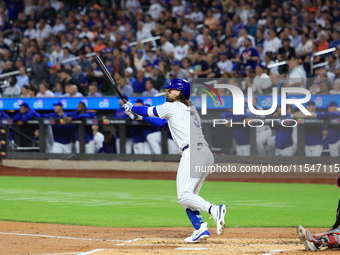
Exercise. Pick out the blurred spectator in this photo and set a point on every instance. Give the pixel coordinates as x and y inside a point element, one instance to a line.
<point>262,83</point>
<point>325,86</point>
<point>109,144</point>
<point>53,78</point>
<point>323,44</point>
<point>305,47</point>
<point>30,32</point>
<point>39,69</point>
<point>336,87</point>
<point>139,85</point>
<point>295,37</point>
<point>286,50</point>
<point>336,39</point>
<point>333,135</point>
<point>297,76</point>
<point>13,90</point>
<point>201,67</point>
<point>242,36</point>
<point>33,91</point>
<point>72,91</point>
<point>78,74</point>
<point>83,61</point>
<point>268,60</point>
<point>167,47</point>
<point>25,91</point>
<point>46,59</point>
<point>67,56</point>
<point>224,65</point>
<point>66,78</point>
<point>44,91</point>
<point>58,27</point>
<point>22,78</point>
<point>43,30</point>
<point>93,90</point>
<point>276,81</point>
<point>57,55</point>
<point>128,75</point>
<point>150,91</point>
<point>178,71</point>
<point>118,61</point>
<point>181,50</point>
<point>273,43</point>
<point>58,90</point>
<point>250,56</point>
<point>25,113</point>
<point>98,138</point>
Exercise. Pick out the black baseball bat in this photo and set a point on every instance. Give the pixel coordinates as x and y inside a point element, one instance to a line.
<point>108,76</point>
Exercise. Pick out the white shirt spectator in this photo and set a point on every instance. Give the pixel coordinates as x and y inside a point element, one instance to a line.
<point>22,80</point>
<point>31,33</point>
<point>150,25</point>
<point>59,28</point>
<point>57,57</point>
<point>261,82</point>
<point>273,69</point>
<point>307,47</point>
<point>150,93</point>
<point>177,11</point>
<point>197,17</point>
<point>45,32</point>
<point>55,4</point>
<point>98,139</point>
<point>181,52</point>
<point>88,34</point>
<point>48,93</point>
<point>240,42</point>
<point>200,40</point>
<point>12,91</point>
<point>168,47</point>
<point>272,45</point>
<point>225,66</point>
<point>155,10</point>
<point>143,34</point>
<point>298,74</point>
<point>132,6</point>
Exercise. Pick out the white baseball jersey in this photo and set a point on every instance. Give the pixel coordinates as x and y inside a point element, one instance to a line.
<point>98,141</point>
<point>184,123</point>
<point>181,52</point>
<point>225,66</point>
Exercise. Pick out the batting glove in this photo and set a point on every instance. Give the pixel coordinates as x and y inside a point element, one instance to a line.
<point>133,116</point>
<point>128,106</point>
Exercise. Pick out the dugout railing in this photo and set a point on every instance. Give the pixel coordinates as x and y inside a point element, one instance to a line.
<point>121,124</point>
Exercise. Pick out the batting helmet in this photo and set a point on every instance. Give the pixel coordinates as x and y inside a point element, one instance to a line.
<point>181,85</point>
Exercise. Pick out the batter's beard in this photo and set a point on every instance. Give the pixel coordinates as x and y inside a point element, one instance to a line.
<point>168,99</point>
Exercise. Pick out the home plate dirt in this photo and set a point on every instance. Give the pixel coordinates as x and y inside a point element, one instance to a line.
<point>37,238</point>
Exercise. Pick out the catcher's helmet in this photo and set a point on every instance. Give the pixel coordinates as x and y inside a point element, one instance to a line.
<point>181,85</point>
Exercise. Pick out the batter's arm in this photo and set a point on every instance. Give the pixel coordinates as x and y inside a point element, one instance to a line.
<point>145,111</point>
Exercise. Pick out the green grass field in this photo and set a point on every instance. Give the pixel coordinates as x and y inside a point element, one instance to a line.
<point>146,203</point>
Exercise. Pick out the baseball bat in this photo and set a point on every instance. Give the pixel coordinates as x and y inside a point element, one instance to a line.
<point>108,76</point>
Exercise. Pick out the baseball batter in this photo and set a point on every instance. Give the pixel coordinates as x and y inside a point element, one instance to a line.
<point>185,127</point>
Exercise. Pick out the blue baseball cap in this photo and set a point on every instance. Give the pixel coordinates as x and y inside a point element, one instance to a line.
<point>332,103</point>
<point>139,101</point>
<point>140,51</point>
<point>176,63</point>
<point>311,102</point>
<point>25,105</point>
<point>148,64</point>
<point>224,53</point>
<point>262,65</point>
<point>58,104</point>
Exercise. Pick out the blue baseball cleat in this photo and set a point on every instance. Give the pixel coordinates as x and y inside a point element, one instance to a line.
<point>199,234</point>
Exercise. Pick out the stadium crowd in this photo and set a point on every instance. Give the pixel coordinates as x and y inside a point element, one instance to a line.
<point>49,42</point>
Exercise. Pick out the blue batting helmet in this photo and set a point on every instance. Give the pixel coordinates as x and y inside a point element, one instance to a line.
<point>181,85</point>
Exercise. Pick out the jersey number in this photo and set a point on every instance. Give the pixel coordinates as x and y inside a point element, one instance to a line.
<point>196,121</point>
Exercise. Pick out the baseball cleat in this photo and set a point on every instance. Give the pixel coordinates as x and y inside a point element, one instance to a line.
<point>305,236</point>
<point>199,234</point>
<point>218,212</point>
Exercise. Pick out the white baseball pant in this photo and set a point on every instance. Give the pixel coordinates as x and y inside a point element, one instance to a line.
<point>89,147</point>
<point>334,149</point>
<point>289,151</point>
<point>128,145</point>
<point>243,150</point>
<point>189,181</point>
<point>262,138</point>
<point>62,148</point>
<point>155,141</point>
<point>313,151</point>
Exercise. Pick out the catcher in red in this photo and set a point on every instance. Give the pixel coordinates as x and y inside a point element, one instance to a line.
<point>329,239</point>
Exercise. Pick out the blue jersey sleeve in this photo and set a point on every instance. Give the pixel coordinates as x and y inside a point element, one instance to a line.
<point>4,115</point>
<point>30,115</point>
<point>143,111</point>
<point>156,122</point>
<point>17,116</point>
